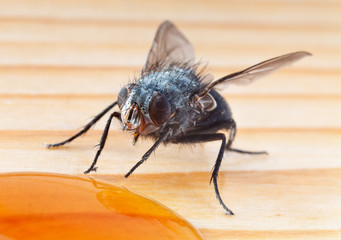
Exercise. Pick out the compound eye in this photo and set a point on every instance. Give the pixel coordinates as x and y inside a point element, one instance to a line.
<point>159,109</point>
<point>123,94</point>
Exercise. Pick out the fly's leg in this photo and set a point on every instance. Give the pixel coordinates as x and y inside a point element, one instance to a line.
<point>147,154</point>
<point>233,128</point>
<point>246,152</point>
<point>197,138</point>
<point>102,141</point>
<point>85,129</point>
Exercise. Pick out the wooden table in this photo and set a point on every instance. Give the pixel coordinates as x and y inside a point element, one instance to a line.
<point>64,61</point>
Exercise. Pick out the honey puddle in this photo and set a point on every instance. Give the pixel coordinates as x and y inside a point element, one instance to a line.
<point>55,206</point>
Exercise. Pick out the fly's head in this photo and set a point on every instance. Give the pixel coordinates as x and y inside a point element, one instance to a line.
<point>142,112</point>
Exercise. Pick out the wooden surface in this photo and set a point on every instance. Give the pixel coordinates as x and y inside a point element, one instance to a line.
<point>62,62</point>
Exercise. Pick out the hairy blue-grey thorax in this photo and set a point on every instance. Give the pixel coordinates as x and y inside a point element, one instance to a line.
<point>177,84</point>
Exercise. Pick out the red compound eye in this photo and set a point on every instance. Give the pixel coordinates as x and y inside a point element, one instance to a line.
<point>124,93</point>
<point>159,109</point>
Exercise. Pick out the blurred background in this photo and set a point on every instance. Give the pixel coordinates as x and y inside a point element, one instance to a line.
<point>62,62</point>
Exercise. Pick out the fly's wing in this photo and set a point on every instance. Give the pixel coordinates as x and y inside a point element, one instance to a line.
<point>256,71</point>
<point>169,46</point>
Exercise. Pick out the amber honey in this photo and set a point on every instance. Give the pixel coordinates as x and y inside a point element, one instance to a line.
<point>54,206</point>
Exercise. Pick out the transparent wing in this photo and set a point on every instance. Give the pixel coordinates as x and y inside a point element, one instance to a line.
<point>257,71</point>
<point>169,46</point>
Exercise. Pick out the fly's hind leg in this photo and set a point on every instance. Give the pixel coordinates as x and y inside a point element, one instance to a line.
<point>246,152</point>
<point>221,118</point>
<point>233,128</point>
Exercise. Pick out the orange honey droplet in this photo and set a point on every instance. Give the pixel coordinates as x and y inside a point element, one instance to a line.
<point>55,206</point>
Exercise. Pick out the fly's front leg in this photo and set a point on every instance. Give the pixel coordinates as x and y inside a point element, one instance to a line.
<point>147,154</point>
<point>85,128</point>
<point>102,142</point>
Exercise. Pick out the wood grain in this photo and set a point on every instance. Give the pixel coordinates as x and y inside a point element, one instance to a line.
<point>64,61</point>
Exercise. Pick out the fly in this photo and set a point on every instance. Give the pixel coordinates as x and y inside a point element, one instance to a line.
<point>173,101</point>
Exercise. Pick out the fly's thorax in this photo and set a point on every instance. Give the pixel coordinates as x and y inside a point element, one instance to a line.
<point>176,83</point>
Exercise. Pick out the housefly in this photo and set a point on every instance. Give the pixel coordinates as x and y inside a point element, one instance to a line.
<point>173,101</point>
